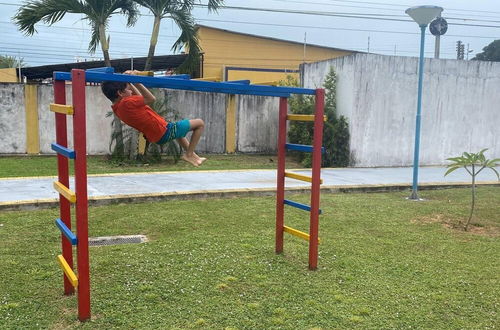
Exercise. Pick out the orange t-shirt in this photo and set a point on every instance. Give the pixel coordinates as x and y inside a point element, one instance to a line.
<point>135,113</point>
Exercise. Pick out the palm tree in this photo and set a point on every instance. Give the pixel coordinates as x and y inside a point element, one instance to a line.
<point>97,12</point>
<point>7,61</point>
<point>180,12</point>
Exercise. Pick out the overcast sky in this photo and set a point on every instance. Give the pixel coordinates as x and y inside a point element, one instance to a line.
<point>379,26</point>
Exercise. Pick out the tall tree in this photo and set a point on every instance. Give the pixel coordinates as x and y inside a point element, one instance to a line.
<point>7,61</point>
<point>96,12</point>
<point>180,12</point>
<point>490,52</point>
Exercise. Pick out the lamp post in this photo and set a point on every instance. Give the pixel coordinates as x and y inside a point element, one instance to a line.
<point>422,15</point>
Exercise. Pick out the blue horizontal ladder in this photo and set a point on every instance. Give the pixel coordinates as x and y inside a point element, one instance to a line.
<point>298,205</point>
<point>66,232</point>
<point>244,82</point>
<point>301,147</point>
<point>63,150</point>
<point>173,82</point>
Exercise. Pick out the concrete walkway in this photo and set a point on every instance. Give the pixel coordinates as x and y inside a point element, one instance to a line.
<point>36,192</point>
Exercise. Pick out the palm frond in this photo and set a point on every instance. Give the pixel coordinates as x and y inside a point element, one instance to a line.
<point>214,5</point>
<point>185,21</point>
<point>94,38</point>
<point>47,11</point>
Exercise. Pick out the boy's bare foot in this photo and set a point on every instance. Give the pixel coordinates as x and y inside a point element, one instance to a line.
<point>192,160</point>
<point>200,159</point>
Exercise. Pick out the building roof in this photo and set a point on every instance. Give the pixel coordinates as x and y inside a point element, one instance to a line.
<point>159,63</point>
<point>276,39</point>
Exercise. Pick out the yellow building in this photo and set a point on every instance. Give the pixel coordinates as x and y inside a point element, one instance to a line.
<point>233,56</point>
<point>8,75</point>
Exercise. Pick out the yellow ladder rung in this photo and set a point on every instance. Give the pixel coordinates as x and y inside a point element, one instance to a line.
<point>145,73</point>
<point>62,108</point>
<point>63,190</point>
<point>270,83</point>
<point>208,79</point>
<point>297,233</point>
<point>302,117</point>
<point>68,271</point>
<point>301,177</point>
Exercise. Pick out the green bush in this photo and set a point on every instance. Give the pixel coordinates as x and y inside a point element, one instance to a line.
<point>336,129</point>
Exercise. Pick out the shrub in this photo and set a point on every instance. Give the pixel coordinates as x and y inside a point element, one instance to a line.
<point>336,129</point>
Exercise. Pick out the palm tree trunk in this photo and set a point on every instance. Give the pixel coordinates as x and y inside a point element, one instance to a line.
<point>152,43</point>
<point>117,124</point>
<point>149,60</point>
<point>473,197</point>
<point>104,44</point>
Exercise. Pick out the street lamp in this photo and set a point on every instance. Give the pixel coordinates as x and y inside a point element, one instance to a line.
<point>422,15</point>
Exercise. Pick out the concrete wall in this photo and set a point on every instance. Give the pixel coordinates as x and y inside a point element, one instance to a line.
<point>256,120</point>
<point>12,118</point>
<point>378,95</point>
<point>208,106</point>
<point>257,123</point>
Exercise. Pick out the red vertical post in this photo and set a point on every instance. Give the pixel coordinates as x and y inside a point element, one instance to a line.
<point>316,177</point>
<point>280,190</point>
<point>80,142</point>
<point>63,177</point>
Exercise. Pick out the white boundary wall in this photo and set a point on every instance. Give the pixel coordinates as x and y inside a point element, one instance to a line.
<point>378,95</point>
<point>256,120</point>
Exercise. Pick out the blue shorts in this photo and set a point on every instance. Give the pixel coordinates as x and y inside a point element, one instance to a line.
<point>175,130</point>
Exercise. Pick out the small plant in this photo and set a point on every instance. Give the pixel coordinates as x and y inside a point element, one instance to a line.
<point>473,163</point>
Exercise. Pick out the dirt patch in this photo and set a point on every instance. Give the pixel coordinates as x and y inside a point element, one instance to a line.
<point>457,225</point>
<point>434,218</point>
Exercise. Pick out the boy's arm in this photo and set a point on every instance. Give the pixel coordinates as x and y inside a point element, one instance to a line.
<point>139,89</point>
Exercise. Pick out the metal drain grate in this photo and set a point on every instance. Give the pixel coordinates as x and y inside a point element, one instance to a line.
<point>115,240</point>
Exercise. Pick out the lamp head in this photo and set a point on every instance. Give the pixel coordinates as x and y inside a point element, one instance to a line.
<point>423,15</point>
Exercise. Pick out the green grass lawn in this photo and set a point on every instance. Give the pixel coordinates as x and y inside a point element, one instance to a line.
<point>385,263</point>
<point>23,166</point>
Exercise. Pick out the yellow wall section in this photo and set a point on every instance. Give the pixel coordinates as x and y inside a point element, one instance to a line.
<point>225,48</point>
<point>256,76</point>
<point>231,124</point>
<point>8,75</point>
<point>31,108</point>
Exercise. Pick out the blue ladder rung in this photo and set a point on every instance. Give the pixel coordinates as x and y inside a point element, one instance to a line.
<point>104,69</point>
<point>245,82</point>
<point>302,147</point>
<point>299,205</point>
<point>63,150</point>
<point>176,76</point>
<point>66,232</point>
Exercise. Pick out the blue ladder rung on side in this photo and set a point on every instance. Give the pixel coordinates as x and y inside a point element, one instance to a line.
<point>104,69</point>
<point>63,150</point>
<point>299,205</point>
<point>244,82</point>
<point>66,232</point>
<point>302,147</point>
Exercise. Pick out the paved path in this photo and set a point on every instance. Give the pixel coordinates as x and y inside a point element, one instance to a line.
<point>38,190</point>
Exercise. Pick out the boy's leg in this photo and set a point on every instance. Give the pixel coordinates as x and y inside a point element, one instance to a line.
<point>197,126</point>
<point>184,143</point>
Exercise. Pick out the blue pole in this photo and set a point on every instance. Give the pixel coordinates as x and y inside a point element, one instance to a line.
<point>419,111</point>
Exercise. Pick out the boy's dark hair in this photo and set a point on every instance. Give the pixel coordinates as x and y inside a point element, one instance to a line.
<point>111,89</point>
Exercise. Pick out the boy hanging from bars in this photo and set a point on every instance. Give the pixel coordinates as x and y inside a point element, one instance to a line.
<point>130,104</point>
